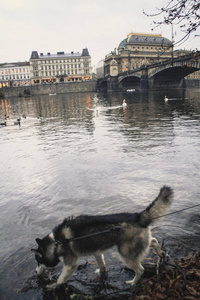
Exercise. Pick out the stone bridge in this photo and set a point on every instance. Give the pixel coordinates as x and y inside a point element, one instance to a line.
<point>165,74</point>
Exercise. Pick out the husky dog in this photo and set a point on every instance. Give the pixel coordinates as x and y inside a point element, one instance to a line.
<point>86,235</point>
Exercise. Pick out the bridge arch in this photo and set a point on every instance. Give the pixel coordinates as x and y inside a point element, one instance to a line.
<point>129,81</point>
<point>102,85</point>
<point>171,76</point>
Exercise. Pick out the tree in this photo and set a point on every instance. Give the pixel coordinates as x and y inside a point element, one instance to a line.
<point>182,13</point>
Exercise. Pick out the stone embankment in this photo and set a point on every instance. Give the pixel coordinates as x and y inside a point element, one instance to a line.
<point>54,88</point>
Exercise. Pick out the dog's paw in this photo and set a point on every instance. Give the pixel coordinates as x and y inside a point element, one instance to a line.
<point>131,282</point>
<point>100,271</point>
<point>51,286</point>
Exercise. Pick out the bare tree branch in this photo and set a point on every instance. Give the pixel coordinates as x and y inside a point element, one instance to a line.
<point>182,13</point>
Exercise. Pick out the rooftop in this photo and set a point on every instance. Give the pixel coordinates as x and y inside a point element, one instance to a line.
<point>61,54</point>
<point>144,38</point>
<point>15,64</point>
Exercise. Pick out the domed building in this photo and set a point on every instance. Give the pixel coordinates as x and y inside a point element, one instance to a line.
<point>137,50</point>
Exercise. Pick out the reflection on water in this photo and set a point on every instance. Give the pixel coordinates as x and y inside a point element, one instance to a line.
<point>85,153</point>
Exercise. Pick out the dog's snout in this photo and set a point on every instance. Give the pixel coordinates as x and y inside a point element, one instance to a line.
<point>40,269</point>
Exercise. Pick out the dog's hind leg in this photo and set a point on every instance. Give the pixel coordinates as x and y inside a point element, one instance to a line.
<point>157,247</point>
<point>101,263</point>
<point>132,255</point>
<point>138,269</point>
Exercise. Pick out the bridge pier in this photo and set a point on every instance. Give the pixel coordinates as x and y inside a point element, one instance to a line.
<point>144,81</point>
<point>112,84</point>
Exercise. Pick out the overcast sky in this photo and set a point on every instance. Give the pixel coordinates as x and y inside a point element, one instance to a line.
<point>71,25</point>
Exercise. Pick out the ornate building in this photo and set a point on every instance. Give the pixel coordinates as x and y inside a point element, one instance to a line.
<point>60,67</point>
<point>14,74</point>
<point>137,50</point>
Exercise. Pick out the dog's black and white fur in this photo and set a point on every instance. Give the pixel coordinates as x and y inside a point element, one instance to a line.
<point>93,235</point>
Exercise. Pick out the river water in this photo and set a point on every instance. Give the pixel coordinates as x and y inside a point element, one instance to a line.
<point>85,153</point>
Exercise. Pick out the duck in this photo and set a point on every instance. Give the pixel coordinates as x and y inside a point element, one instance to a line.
<point>17,122</point>
<point>166,99</point>
<point>124,104</point>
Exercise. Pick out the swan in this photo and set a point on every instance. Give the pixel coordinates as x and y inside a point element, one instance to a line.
<point>124,104</point>
<point>166,99</point>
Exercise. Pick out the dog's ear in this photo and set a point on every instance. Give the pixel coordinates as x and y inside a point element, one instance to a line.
<point>38,241</point>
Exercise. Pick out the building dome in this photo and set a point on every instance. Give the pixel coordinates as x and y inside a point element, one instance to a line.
<point>145,39</point>
<point>123,44</point>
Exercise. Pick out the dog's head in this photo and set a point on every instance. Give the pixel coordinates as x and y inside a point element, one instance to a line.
<point>45,255</point>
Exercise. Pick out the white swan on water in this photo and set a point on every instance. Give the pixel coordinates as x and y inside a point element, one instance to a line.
<point>124,104</point>
<point>166,99</point>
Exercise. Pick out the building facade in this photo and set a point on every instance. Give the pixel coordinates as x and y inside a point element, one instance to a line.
<point>15,74</point>
<point>60,67</point>
<point>137,50</point>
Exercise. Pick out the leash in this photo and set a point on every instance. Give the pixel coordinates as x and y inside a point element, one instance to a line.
<point>177,211</point>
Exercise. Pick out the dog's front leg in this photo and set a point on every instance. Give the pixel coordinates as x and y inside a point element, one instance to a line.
<point>101,263</point>
<point>65,274</point>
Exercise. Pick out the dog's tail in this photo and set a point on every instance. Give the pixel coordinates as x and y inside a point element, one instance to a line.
<point>158,207</point>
